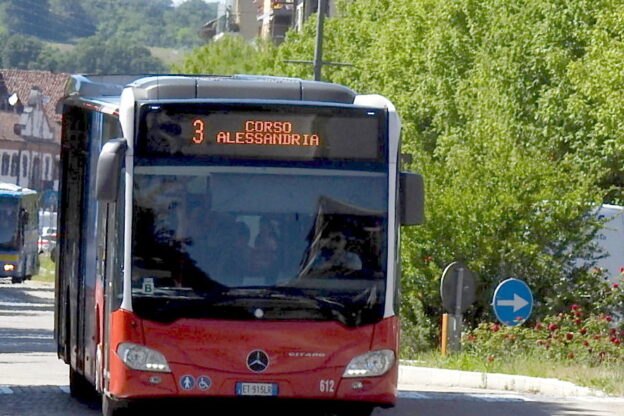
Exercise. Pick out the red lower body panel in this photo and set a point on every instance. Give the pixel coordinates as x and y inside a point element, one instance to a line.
<point>292,360</point>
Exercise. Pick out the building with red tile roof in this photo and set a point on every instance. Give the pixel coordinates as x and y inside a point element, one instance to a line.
<point>30,125</point>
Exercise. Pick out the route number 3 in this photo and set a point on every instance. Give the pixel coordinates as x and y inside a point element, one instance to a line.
<point>327,386</point>
<point>198,137</point>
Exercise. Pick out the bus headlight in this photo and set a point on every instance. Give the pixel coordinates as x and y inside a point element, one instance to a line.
<point>142,358</point>
<point>9,267</point>
<point>373,363</point>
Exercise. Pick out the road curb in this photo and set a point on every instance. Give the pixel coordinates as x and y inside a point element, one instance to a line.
<point>411,377</point>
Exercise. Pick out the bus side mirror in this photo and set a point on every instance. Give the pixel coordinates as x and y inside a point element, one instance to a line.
<point>109,170</point>
<point>411,198</point>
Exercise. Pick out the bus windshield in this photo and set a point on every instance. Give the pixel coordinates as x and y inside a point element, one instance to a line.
<point>8,223</point>
<point>234,242</point>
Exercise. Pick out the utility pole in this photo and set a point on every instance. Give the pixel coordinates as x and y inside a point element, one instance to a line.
<point>318,48</point>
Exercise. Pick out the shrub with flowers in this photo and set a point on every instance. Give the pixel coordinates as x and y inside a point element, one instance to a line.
<point>592,339</point>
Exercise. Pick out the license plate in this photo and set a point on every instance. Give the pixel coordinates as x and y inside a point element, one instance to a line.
<point>256,389</point>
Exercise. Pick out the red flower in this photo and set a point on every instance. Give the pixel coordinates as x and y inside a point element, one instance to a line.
<point>608,318</point>
<point>612,331</point>
<point>586,343</point>
<point>539,326</point>
<point>495,328</point>
<point>578,321</point>
<point>428,259</point>
<point>569,336</point>
<point>571,355</point>
<point>575,307</point>
<point>621,269</point>
<point>615,285</point>
<point>615,340</point>
<point>553,327</point>
<point>491,358</point>
<point>578,314</point>
<point>583,331</point>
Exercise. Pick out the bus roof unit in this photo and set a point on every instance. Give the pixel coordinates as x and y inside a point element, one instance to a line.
<point>188,87</point>
<point>14,190</point>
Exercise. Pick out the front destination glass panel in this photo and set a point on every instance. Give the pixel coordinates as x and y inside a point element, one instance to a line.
<point>270,132</point>
<point>8,223</point>
<point>255,241</point>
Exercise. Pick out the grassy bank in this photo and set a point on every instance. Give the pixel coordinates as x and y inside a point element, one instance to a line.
<point>607,378</point>
<point>46,269</point>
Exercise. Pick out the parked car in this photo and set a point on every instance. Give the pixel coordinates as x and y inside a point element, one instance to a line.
<point>47,239</point>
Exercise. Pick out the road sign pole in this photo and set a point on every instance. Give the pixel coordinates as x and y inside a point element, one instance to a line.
<point>444,337</point>
<point>455,343</point>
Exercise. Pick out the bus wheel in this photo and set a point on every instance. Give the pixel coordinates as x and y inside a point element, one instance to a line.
<point>112,407</point>
<point>80,387</point>
<point>16,280</point>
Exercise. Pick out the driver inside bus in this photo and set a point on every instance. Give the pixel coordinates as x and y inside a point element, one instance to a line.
<point>334,255</point>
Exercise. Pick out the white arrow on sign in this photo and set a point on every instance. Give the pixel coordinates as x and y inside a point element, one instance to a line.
<point>517,302</point>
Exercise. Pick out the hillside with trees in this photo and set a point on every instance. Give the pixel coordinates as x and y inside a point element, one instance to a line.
<point>511,111</point>
<point>103,36</point>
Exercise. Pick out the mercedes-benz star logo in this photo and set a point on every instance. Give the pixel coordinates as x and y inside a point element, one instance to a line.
<point>257,361</point>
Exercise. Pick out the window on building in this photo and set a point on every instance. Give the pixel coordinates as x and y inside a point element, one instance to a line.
<point>6,160</point>
<point>35,173</point>
<point>15,165</point>
<point>25,166</point>
<point>56,170</point>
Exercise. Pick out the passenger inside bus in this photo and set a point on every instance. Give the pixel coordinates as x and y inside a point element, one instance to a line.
<point>237,259</point>
<point>264,257</point>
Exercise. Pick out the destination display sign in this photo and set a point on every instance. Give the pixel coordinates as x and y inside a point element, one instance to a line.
<point>280,132</point>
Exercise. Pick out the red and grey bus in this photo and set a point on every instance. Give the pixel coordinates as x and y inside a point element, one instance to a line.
<point>230,237</point>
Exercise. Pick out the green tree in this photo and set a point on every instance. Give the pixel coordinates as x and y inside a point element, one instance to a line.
<point>229,55</point>
<point>31,17</point>
<point>20,52</point>
<point>71,20</point>
<point>488,107</point>
<point>114,56</point>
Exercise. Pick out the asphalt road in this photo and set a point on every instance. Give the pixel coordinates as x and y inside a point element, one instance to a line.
<point>34,382</point>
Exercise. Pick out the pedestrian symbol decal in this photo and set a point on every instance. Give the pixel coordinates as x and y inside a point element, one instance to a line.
<point>187,382</point>
<point>204,382</point>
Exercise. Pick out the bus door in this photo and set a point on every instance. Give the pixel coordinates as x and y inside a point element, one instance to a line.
<point>110,282</point>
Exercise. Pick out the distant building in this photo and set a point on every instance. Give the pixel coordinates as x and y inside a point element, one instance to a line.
<point>30,125</point>
<point>267,19</point>
<point>233,16</point>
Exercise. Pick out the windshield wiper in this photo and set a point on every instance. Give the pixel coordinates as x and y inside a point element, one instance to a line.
<point>329,308</point>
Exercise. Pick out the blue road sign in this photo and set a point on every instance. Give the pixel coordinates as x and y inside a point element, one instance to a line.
<point>512,302</point>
